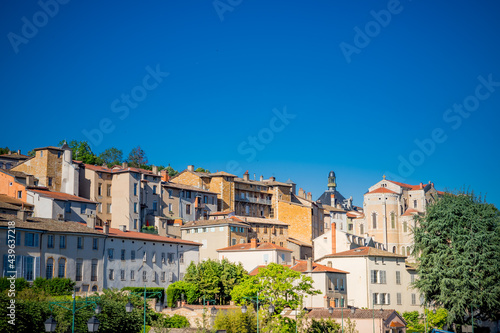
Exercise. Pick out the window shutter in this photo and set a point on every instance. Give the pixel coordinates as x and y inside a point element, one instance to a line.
<point>388,298</point>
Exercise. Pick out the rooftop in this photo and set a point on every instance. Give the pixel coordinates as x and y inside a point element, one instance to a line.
<point>301,266</point>
<point>59,195</point>
<point>13,201</point>
<point>186,187</point>
<point>204,223</point>
<point>364,251</point>
<point>248,247</point>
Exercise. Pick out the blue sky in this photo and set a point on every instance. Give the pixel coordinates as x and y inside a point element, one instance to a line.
<point>290,89</point>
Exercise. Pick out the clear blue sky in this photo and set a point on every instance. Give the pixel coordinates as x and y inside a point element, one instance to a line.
<point>362,80</point>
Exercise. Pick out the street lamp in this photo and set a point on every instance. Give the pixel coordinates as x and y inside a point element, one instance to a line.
<point>271,309</point>
<point>213,311</point>
<point>129,306</point>
<point>330,310</point>
<point>93,324</point>
<point>50,324</point>
<point>159,306</point>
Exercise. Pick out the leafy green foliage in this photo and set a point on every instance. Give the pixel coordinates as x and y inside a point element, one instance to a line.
<point>458,241</point>
<point>202,170</point>
<point>31,310</point>
<point>176,289</point>
<point>82,152</point>
<point>214,279</point>
<point>20,284</point>
<point>278,324</point>
<point>55,287</point>
<point>111,156</point>
<point>137,157</point>
<point>414,324</point>
<point>31,153</point>
<point>149,292</point>
<point>234,321</point>
<point>277,282</point>
<point>4,150</point>
<point>171,171</point>
<point>323,325</point>
<point>350,326</point>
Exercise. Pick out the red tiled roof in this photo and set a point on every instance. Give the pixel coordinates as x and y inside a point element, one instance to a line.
<point>301,266</point>
<point>381,190</point>
<point>145,236</point>
<point>412,187</point>
<point>364,251</point>
<point>98,168</point>
<point>260,247</point>
<point>410,211</point>
<point>61,196</point>
<point>256,270</point>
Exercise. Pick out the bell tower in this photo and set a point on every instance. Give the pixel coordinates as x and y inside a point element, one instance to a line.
<point>331,181</point>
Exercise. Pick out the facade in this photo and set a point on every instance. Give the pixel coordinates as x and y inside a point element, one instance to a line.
<point>300,250</point>
<point>61,206</point>
<point>266,230</point>
<point>253,254</point>
<point>185,202</point>
<point>381,279</point>
<point>214,234</point>
<point>389,207</point>
<point>11,159</point>
<point>14,183</point>
<point>51,248</point>
<point>136,259</point>
<point>53,168</point>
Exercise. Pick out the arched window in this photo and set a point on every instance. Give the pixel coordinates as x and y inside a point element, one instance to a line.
<point>49,269</point>
<point>374,220</point>
<point>94,288</point>
<point>393,249</point>
<point>393,220</point>
<point>403,252</point>
<point>62,268</point>
<point>408,251</point>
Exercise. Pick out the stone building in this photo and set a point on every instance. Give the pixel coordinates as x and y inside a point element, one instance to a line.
<point>11,159</point>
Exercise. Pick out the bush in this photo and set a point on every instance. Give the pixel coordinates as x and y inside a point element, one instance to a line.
<point>235,321</point>
<point>55,287</point>
<point>20,284</point>
<point>176,289</point>
<point>320,326</point>
<point>175,321</point>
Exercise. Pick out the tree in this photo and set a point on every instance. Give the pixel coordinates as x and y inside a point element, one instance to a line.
<point>4,150</point>
<point>111,156</point>
<point>82,152</point>
<point>137,157</point>
<point>202,170</point>
<point>171,171</point>
<point>350,326</point>
<point>322,325</point>
<point>458,241</point>
<point>283,285</point>
<point>414,324</point>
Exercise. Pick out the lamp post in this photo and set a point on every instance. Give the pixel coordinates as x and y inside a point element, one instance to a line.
<point>129,306</point>
<point>256,300</point>
<point>342,309</point>
<point>92,324</point>
<point>373,314</point>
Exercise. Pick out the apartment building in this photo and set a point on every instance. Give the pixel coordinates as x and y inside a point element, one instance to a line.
<point>189,203</point>
<point>382,278</point>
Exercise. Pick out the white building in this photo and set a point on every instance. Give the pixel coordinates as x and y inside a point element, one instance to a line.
<point>378,278</point>
<point>254,254</point>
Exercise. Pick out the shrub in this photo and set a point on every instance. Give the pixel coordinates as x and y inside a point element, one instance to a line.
<point>55,287</point>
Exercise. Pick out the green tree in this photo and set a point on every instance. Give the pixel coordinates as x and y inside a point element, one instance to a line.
<point>31,153</point>
<point>284,286</point>
<point>202,170</point>
<point>176,289</point>
<point>414,322</point>
<point>323,326</point>
<point>82,152</point>
<point>171,171</point>
<point>438,319</point>
<point>55,286</point>
<point>235,321</point>
<point>111,156</point>
<point>458,241</point>
<point>137,157</point>
<point>4,150</point>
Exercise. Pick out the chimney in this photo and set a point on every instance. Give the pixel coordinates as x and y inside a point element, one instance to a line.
<point>22,214</point>
<point>164,175</point>
<point>122,228</point>
<point>105,228</point>
<point>190,167</point>
<point>272,179</point>
<point>302,193</point>
<point>309,264</point>
<point>154,169</point>
<point>19,152</point>
<point>261,178</point>
<point>246,176</point>
<point>253,243</point>
<point>329,264</point>
<point>309,196</point>
<point>421,185</point>
<point>338,206</point>
<point>91,221</point>
<point>124,165</point>
<point>10,153</point>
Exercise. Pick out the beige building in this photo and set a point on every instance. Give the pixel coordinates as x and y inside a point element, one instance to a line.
<point>379,279</point>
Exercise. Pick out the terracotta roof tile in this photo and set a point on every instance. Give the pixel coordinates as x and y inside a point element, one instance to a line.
<point>410,212</point>
<point>204,223</point>
<point>145,236</point>
<point>381,190</point>
<point>301,266</point>
<point>248,247</point>
<point>186,187</point>
<point>60,196</point>
<point>14,201</point>
<point>346,313</point>
<point>364,251</point>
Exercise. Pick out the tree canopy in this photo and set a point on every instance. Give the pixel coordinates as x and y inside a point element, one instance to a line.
<point>82,152</point>
<point>275,283</point>
<point>111,156</point>
<point>458,242</point>
<point>137,157</point>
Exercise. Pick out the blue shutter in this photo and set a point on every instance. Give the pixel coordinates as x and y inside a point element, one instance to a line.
<point>35,242</point>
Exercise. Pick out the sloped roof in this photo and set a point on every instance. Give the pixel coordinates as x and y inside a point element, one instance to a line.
<point>381,190</point>
<point>347,313</point>
<point>301,266</point>
<point>298,242</point>
<point>248,247</point>
<point>251,219</point>
<point>145,236</point>
<point>14,201</point>
<point>410,212</point>
<point>204,223</point>
<point>60,196</point>
<point>364,251</point>
<point>186,187</point>
<point>412,187</point>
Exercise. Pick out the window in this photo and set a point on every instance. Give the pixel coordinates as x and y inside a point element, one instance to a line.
<point>393,220</point>
<point>361,229</point>
<point>99,207</point>
<point>374,220</point>
<point>154,276</point>
<point>170,194</point>
<point>155,206</point>
<point>281,230</point>
<point>19,194</point>
<point>188,209</point>
<point>79,242</point>
<point>28,266</point>
<point>144,276</point>
<point>79,270</point>
<point>122,274</point>
<point>341,285</point>
<point>58,154</point>
<point>49,269</point>
<point>132,255</point>
<point>414,203</point>
<point>62,242</point>
<point>50,181</point>
<point>135,207</point>
<point>181,258</point>
<point>221,228</point>
<point>111,253</point>
<point>412,278</point>
<point>205,199</point>
<point>99,189</point>
<point>135,223</point>
<point>154,189</point>
<point>163,276</point>
<point>122,255</point>
<point>281,244</point>
<point>93,270</point>
<point>382,299</point>
<point>109,208</point>
<point>265,229</point>
<point>398,277</point>
<point>132,275</point>
<point>413,299</point>
<point>233,241</point>
<point>375,298</point>
<point>144,256</point>
<point>61,268</point>
<point>170,207</point>
<point>153,258</point>
<point>68,207</point>
<point>188,194</point>
<point>135,189</point>
<point>95,243</point>
<point>374,276</point>
<point>111,274</point>
<point>108,190</point>
<point>170,258</point>
<point>398,298</point>
<point>403,251</point>
<point>408,250</point>
<point>83,208</point>
<point>50,241</point>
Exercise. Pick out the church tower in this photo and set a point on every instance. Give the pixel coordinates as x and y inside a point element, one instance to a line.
<point>332,185</point>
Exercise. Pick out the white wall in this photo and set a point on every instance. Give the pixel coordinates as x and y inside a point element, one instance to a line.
<point>251,259</point>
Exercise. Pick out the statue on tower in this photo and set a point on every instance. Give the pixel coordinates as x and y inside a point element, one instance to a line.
<point>331,181</point>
